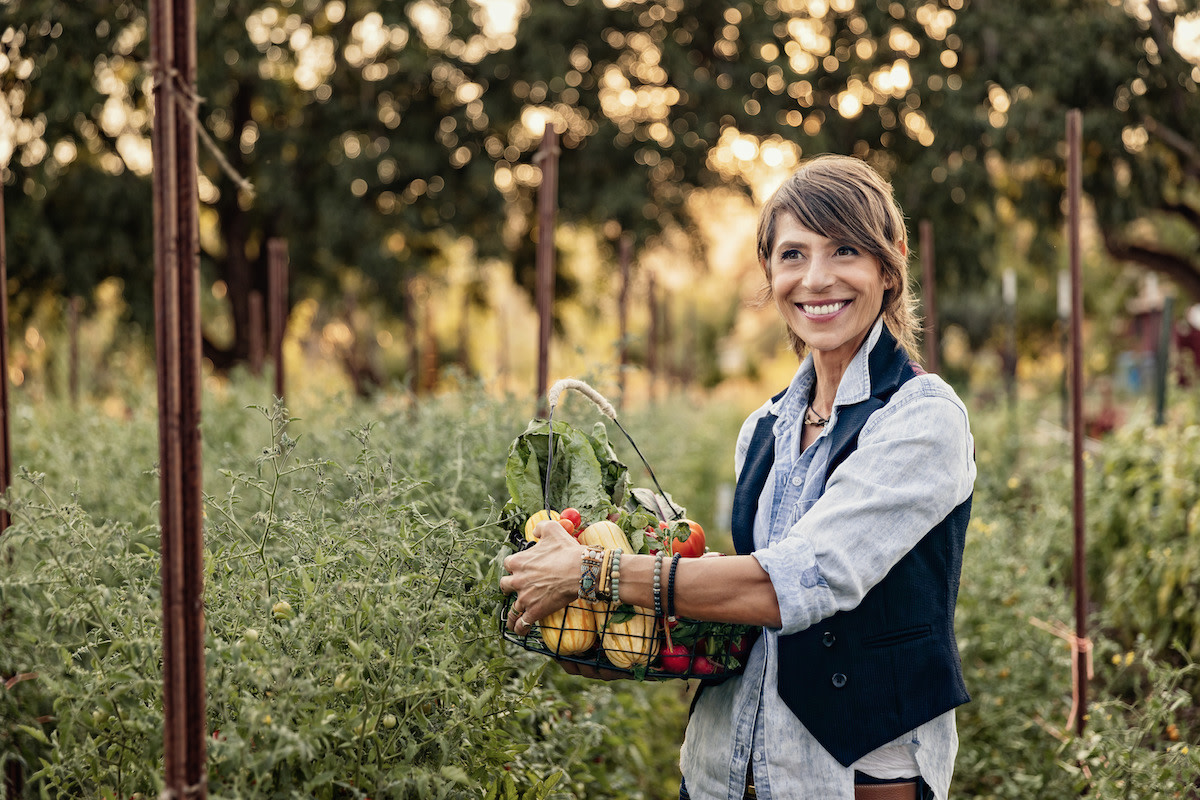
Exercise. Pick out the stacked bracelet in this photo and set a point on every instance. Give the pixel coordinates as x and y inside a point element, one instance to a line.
<point>671,588</point>
<point>602,588</point>
<point>658,559</point>
<point>614,578</point>
<point>589,574</point>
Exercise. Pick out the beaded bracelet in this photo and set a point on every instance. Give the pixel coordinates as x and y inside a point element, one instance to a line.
<point>671,589</point>
<point>589,574</point>
<point>658,559</point>
<point>602,590</point>
<point>614,578</point>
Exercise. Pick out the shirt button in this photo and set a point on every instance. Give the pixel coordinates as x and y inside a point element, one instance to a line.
<point>758,756</point>
<point>839,680</point>
<point>828,639</point>
<point>797,481</point>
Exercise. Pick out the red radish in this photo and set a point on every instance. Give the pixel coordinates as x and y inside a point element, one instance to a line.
<point>675,659</point>
<point>703,665</point>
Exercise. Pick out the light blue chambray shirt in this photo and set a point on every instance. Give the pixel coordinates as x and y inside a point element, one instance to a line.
<point>914,464</point>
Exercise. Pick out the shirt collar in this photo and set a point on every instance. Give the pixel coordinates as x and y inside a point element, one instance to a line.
<point>854,388</point>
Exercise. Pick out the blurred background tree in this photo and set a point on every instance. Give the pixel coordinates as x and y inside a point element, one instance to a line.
<point>375,135</point>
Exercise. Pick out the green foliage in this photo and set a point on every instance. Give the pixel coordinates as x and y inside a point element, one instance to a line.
<point>353,645</point>
<point>1144,524</point>
<point>584,472</point>
<point>352,631</point>
<point>1134,748</point>
<point>372,134</point>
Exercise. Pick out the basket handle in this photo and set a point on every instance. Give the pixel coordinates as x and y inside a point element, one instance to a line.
<point>606,408</point>
<point>584,388</point>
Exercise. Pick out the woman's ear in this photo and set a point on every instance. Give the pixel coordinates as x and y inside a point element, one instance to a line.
<point>903,247</point>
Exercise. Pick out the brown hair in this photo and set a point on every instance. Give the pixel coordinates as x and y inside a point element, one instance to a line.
<point>843,198</point>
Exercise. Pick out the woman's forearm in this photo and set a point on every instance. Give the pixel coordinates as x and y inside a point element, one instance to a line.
<point>715,589</point>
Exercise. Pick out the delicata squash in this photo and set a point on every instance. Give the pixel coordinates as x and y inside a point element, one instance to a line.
<point>571,630</point>
<point>635,641</point>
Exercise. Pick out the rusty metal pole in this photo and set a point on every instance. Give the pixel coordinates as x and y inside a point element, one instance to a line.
<point>626,260</point>
<point>1074,191</point>
<point>5,441</point>
<point>177,336</point>
<point>13,787</point>
<point>255,314</point>
<point>73,306</point>
<point>547,159</point>
<point>929,295</point>
<point>652,338</point>
<point>277,299</point>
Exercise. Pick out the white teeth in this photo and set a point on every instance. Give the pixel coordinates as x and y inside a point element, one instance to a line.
<point>820,311</point>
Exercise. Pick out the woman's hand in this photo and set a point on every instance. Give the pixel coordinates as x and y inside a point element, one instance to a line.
<point>545,577</point>
<point>598,673</point>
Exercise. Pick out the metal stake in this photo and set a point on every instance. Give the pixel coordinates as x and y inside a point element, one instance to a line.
<point>1074,190</point>
<point>547,159</point>
<point>177,336</point>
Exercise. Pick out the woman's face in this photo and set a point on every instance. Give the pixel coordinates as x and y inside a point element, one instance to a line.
<point>828,292</point>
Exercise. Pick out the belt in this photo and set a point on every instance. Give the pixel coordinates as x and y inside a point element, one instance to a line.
<point>886,791</point>
<point>864,791</point>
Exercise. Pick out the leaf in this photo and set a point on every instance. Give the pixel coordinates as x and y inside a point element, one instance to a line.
<point>456,774</point>
<point>584,472</point>
<point>36,733</point>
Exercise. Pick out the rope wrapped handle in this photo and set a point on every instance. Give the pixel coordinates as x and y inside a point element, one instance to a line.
<point>584,388</point>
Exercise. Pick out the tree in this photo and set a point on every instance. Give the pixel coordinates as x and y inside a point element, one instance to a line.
<point>368,131</point>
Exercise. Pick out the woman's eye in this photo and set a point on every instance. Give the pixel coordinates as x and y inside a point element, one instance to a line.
<point>847,250</point>
<point>788,255</point>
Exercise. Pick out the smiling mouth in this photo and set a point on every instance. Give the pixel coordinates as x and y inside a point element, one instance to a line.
<point>824,309</point>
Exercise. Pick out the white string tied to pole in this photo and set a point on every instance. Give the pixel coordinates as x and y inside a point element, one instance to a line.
<point>173,81</point>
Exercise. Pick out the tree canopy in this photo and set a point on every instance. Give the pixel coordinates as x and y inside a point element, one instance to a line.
<point>368,132</point>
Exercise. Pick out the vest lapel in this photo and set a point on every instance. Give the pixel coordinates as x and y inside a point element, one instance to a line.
<point>889,366</point>
<point>751,482</point>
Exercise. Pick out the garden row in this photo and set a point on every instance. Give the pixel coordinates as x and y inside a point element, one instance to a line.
<point>353,644</point>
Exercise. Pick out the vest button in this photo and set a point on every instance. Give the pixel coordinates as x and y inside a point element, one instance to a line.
<point>839,680</point>
<point>828,639</point>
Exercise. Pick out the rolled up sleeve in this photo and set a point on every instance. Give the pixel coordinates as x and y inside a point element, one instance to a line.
<point>913,465</point>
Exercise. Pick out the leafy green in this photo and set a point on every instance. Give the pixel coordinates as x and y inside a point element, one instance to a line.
<point>584,472</point>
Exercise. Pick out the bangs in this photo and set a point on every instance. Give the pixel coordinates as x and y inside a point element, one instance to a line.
<point>831,215</point>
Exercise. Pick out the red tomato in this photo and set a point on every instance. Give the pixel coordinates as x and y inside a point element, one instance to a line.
<point>568,526</point>
<point>692,544</point>
<point>573,515</point>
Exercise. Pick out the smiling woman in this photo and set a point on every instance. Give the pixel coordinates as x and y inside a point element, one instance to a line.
<point>828,292</point>
<point>853,494</point>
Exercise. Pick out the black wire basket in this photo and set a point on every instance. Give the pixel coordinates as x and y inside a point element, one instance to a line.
<point>628,640</point>
<point>625,639</point>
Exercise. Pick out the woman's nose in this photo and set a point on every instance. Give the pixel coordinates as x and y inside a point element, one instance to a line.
<point>819,274</point>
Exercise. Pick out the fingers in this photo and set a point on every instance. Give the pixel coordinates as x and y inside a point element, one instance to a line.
<point>593,672</point>
<point>516,621</point>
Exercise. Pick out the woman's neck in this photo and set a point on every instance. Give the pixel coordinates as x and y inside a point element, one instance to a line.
<point>829,368</point>
<point>825,390</point>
